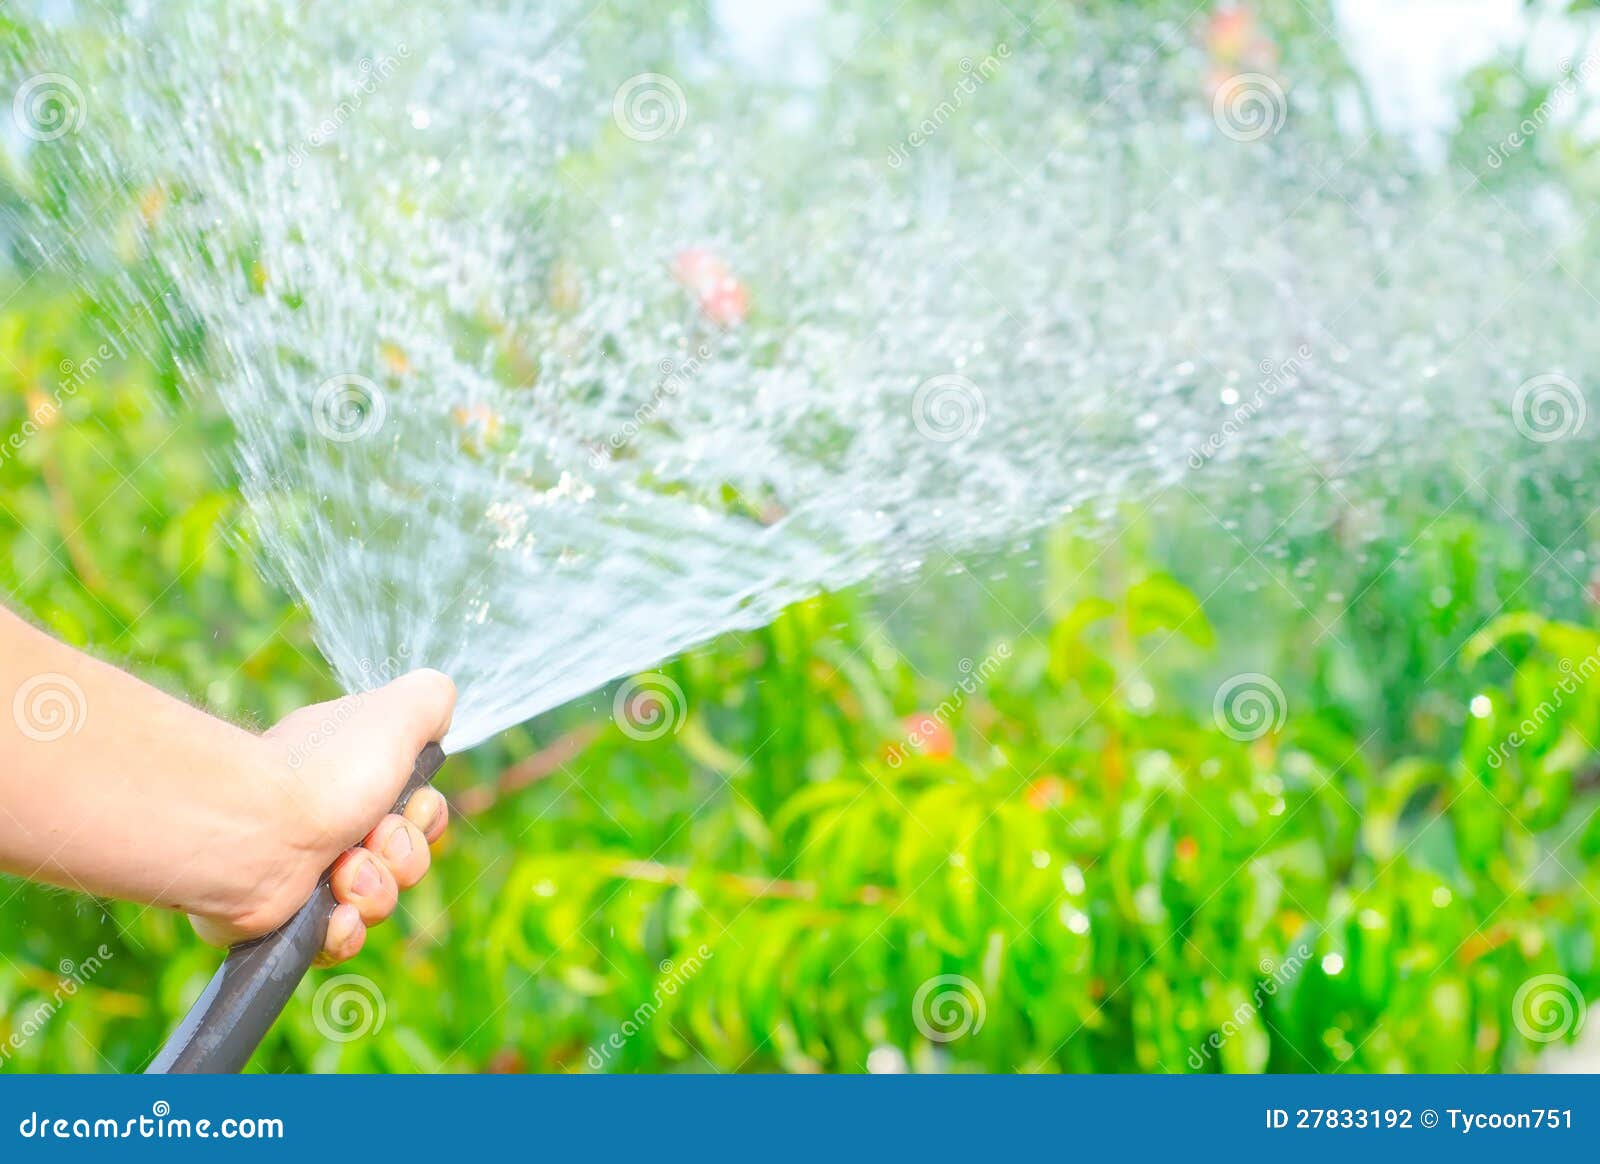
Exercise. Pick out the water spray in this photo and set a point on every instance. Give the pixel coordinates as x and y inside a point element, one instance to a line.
<point>629,376</point>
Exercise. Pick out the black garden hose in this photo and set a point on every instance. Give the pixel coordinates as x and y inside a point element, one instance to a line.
<point>253,985</point>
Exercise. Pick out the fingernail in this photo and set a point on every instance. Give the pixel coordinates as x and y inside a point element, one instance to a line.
<point>399,846</point>
<point>367,882</point>
<point>338,928</point>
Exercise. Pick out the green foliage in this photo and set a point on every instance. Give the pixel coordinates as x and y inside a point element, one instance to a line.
<point>1118,878</point>
<point>1077,850</point>
<point>1118,882</point>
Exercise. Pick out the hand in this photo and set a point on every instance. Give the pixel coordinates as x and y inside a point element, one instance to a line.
<point>332,771</point>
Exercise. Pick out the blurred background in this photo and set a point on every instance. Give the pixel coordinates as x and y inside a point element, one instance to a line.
<point>1144,802</point>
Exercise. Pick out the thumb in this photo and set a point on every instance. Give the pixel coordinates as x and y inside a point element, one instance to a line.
<point>409,712</point>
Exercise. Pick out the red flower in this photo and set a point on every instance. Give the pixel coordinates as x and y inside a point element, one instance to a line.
<point>1236,43</point>
<point>1047,792</point>
<point>720,296</point>
<point>1231,33</point>
<point>929,736</point>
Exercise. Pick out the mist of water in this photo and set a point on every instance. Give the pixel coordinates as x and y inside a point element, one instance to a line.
<point>560,340</point>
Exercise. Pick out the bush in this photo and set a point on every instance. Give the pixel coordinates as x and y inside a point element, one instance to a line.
<point>1084,845</point>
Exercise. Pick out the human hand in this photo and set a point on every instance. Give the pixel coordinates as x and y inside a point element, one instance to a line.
<point>330,772</point>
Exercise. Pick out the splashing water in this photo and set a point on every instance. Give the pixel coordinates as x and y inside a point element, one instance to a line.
<point>558,340</point>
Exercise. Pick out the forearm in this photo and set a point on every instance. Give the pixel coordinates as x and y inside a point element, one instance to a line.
<point>103,778</point>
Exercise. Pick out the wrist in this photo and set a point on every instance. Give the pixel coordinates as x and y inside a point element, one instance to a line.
<point>255,873</point>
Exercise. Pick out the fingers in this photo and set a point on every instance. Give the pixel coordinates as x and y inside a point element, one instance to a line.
<point>410,713</point>
<point>347,933</point>
<point>213,933</point>
<point>367,880</point>
<point>429,811</point>
<point>362,880</point>
<point>401,847</point>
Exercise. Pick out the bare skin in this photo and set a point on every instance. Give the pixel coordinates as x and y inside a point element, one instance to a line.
<point>114,788</point>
